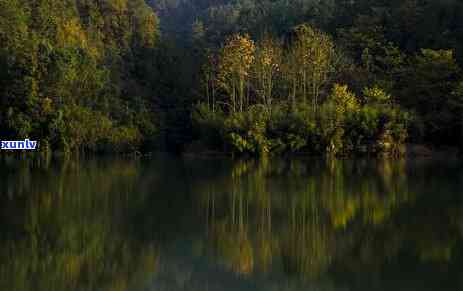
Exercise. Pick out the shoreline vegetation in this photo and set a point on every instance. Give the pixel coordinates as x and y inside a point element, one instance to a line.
<point>267,123</point>
<point>410,151</point>
<point>251,78</point>
<point>197,150</point>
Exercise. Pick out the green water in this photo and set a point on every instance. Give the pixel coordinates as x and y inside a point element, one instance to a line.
<point>168,223</point>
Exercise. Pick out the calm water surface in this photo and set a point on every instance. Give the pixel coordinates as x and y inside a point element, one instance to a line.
<point>168,223</point>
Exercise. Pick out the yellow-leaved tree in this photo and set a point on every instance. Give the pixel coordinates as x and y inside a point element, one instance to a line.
<point>310,61</point>
<point>343,99</point>
<point>266,68</point>
<point>235,61</point>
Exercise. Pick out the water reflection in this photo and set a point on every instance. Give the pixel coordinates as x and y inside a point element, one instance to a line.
<point>216,224</point>
<point>66,228</point>
<point>299,214</point>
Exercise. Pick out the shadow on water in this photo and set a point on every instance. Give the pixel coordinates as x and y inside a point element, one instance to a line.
<point>169,223</point>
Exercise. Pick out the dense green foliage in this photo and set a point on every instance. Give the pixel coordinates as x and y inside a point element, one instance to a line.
<point>83,75</point>
<point>333,128</point>
<point>71,72</point>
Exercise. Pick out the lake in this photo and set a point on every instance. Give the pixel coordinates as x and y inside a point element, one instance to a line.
<point>171,223</point>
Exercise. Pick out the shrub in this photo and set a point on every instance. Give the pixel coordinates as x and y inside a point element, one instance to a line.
<point>246,132</point>
<point>341,125</point>
<point>77,128</point>
<point>292,129</point>
<point>330,122</point>
<point>376,95</point>
<point>209,125</point>
<point>376,129</point>
<point>124,139</point>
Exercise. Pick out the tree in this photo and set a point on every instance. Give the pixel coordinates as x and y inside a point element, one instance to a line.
<point>312,56</point>
<point>266,68</point>
<point>343,99</point>
<point>376,95</point>
<point>457,104</point>
<point>236,59</point>
<point>427,87</point>
<point>71,57</point>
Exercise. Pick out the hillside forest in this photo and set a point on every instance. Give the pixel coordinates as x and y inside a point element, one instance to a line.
<point>249,77</point>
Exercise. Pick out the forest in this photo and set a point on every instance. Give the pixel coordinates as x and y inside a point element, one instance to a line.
<point>249,77</point>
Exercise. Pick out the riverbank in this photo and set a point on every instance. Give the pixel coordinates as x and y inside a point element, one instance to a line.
<point>411,150</point>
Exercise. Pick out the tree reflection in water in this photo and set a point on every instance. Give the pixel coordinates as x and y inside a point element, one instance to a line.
<point>215,224</point>
<point>66,228</point>
<point>313,218</point>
